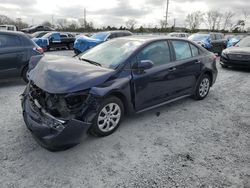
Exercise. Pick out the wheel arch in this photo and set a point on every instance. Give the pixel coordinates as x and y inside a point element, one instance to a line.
<point>209,73</point>
<point>123,99</point>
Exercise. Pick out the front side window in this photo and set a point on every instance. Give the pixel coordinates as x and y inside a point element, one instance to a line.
<point>157,52</point>
<point>182,50</point>
<point>9,41</point>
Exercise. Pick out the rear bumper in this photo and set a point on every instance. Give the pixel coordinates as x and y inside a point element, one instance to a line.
<point>234,63</point>
<point>50,132</point>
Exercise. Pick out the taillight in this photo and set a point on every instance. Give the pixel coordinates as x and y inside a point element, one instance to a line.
<point>39,49</point>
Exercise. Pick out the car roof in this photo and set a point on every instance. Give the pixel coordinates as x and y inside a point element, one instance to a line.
<point>19,33</point>
<point>115,31</point>
<point>149,38</point>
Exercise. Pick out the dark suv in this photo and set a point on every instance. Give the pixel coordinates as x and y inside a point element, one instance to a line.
<point>16,49</point>
<point>214,42</point>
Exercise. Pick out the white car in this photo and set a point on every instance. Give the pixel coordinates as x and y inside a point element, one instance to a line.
<point>179,35</point>
<point>8,27</point>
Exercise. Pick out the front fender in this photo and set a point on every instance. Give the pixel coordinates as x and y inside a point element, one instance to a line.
<point>120,87</point>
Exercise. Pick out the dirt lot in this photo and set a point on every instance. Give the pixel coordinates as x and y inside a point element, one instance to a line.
<point>188,144</point>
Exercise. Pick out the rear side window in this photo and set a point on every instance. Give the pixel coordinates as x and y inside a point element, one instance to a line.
<point>218,36</point>
<point>195,50</point>
<point>9,41</point>
<point>63,36</point>
<point>182,49</point>
<point>113,35</point>
<point>212,36</point>
<point>126,34</point>
<point>158,52</point>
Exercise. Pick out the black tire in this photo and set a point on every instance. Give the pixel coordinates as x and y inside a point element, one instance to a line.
<point>71,46</point>
<point>95,129</point>
<point>224,66</point>
<point>24,74</point>
<point>198,93</point>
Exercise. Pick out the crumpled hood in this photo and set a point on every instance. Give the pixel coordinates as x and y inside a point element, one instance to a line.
<point>57,74</point>
<point>84,43</point>
<point>239,50</point>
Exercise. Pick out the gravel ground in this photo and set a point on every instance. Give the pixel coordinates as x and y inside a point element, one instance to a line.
<point>184,144</point>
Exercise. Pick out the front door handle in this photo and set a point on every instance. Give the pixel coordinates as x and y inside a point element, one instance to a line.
<point>172,69</point>
<point>197,62</point>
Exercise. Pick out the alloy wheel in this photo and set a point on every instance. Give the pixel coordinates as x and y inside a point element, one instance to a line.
<point>204,87</point>
<point>109,117</point>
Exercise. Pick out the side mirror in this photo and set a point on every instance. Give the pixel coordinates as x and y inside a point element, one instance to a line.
<point>145,64</point>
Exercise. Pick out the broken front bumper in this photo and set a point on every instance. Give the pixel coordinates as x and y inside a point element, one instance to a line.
<point>50,132</point>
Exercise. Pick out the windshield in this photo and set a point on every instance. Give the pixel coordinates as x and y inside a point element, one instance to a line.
<point>198,37</point>
<point>110,54</point>
<point>38,34</point>
<point>47,35</point>
<point>244,42</point>
<point>100,36</point>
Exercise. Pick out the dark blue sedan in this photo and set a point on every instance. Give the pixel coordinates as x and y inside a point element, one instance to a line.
<point>91,93</point>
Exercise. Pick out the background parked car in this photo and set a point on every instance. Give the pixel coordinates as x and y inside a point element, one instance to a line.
<point>16,49</point>
<point>8,28</point>
<point>234,39</point>
<point>214,42</point>
<point>126,75</point>
<point>55,40</point>
<point>34,29</point>
<point>83,43</point>
<point>238,55</point>
<point>177,34</point>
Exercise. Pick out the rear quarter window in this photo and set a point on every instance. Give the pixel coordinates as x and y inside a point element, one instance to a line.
<point>9,41</point>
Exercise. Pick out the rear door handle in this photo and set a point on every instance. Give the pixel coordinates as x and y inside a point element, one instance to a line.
<point>172,69</point>
<point>197,62</point>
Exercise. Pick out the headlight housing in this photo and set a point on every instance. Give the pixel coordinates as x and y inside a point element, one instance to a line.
<point>224,53</point>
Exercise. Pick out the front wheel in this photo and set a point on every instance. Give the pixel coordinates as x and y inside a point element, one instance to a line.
<point>25,74</point>
<point>202,87</point>
<point>224,66</point>
<point>108,118</point>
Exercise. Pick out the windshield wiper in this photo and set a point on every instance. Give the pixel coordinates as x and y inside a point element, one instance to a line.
<point>91,62</point>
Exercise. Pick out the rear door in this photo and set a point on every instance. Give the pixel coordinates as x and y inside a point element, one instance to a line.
<point>216,42</point>
<point>187,67</point>
<point>12,55</point>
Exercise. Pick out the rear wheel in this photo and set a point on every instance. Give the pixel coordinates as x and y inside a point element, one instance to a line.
<point>108,118</point>
<point>71,46</point>
<point>202,87</point>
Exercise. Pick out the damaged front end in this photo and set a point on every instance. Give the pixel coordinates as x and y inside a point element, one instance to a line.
<point>58,120</point>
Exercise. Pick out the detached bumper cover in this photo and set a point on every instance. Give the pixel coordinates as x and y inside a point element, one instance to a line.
<point>52,133</point>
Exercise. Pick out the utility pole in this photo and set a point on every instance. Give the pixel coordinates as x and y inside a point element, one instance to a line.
<point>84,17</point>
<point>52,19</point>
<point>167,13</point>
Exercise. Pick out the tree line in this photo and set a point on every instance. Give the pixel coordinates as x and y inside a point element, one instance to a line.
<point>217,21</point>
<point>212,20</point>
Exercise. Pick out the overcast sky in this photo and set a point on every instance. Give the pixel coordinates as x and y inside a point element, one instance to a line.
<point>114,12</point>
